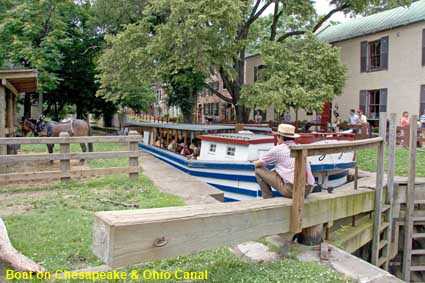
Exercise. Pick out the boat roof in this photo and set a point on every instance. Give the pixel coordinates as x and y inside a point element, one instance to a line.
<point>257,129</point>
<point>184,127</point>
<point>196,127</point>
<point>238,138</point>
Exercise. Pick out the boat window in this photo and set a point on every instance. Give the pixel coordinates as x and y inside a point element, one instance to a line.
<point>213,147</point>
<point>231,151</point>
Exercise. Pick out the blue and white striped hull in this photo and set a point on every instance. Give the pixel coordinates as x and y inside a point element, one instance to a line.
<point>237,179</point>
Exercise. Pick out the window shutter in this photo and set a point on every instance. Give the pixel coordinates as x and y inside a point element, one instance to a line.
<point>422,100</point>
<point>423,47</point>
<point>383,94</point>
<point>384,53</point>
<point>363,56</point>
<point>255,73</point>
<point>363,101</point>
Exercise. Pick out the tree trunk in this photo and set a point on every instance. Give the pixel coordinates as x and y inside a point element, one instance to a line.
<point>10,256</point>
<point>242,114</point>
<point>27,105</point>
<point>188,117</point>
<point>107,119</point>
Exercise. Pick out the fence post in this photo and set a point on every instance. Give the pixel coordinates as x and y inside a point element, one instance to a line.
<point>65,164</point>
<point>378,189</point>
<point>410,200</point>
<point>133,161</point>
<point>298,191</point>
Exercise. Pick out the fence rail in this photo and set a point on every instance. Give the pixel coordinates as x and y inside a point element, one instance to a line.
<point>65,157</point>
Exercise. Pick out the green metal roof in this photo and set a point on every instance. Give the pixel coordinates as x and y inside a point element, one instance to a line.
<point>389,19</point>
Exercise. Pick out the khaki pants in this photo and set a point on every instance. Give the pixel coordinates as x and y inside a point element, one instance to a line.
<point>267,179</point>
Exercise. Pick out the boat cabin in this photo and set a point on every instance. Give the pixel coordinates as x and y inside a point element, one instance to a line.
<point>234,146</point>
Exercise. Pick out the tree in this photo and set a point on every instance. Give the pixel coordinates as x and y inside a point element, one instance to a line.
<point>183,88</point>
<point>384,5</point>
<point>60,40</point>
<point>32,34</point>
<point>175,43</point>
<point>300,74</point>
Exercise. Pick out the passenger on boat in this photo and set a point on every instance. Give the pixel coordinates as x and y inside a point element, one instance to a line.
<point>172,146</point>
<point>185,149</point>
<point>282,176</point>
<point>158,143</point>
<point>196,150</point>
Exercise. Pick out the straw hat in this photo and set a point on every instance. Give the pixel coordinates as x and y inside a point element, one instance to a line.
<point>286,130</point>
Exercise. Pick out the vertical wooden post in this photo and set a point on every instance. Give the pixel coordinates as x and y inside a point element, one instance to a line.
<point>155,131</point>
<point>390,184</point>
<point>133,161</point>
<point>65,164</point>
<point>168,136</point>
<point>378,188</point>
<point>3,150</point>
<point>298,190</point>
<point>14,98</point>
<point>356,172</point>
<point>9,113</point>
<point>408,226</point>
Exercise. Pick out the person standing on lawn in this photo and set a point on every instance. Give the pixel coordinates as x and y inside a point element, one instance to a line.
<point>404,122</point>
<point>282,177</point>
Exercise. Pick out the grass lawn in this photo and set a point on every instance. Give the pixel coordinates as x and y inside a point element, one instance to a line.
<point>367,161</point>
<point>52,224</point>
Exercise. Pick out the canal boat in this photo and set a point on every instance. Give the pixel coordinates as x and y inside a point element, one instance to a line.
<point>226,156</point>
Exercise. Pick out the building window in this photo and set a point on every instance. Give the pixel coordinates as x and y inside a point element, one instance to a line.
<point>257,72</point>
<point>422,100</point>
<point>374,55</point>
<point>216,109</point>
<point>373,102</point>
<point>231,151</point>
<point>213,147</point>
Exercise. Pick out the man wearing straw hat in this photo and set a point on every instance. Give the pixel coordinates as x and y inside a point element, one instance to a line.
<point>282,176</point>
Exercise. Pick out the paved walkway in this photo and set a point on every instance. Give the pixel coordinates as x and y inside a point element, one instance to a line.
<point>173,181</point>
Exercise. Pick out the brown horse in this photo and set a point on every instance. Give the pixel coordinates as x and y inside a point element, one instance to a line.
<point>42,128</point>
<point>28,125</point>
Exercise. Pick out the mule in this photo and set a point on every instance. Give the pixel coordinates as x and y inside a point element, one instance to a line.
<point>42,128</point>
<point>28,125</point>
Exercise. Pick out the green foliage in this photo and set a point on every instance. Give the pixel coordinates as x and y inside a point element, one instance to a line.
<point>112,16</point>
<point>182,90</point>
<point>383,5</point>
<point>175,44</point>
<point>126,68</point>
<point>59,39</point>
<point>32,34</point>
<point>301,73</point>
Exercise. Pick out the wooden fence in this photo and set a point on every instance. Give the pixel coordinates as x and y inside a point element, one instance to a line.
<point>65,157</point>
<point>153,119</point>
